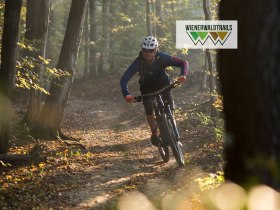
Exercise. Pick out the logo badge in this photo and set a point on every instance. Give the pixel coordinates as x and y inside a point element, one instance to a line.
<point>206,34</point>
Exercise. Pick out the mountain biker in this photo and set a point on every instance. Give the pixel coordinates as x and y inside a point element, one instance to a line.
<point>151,64</point>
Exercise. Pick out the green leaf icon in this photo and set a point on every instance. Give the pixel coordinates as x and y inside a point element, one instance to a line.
<point>202,35</point>
<point>194,35</point>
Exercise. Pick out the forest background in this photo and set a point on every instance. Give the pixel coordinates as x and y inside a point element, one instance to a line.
<point>45,48</point>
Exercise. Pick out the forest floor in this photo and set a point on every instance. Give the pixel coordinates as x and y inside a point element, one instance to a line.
<point>117,161</point>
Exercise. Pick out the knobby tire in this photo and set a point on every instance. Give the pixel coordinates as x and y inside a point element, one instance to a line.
<point>163,148</point>
<point>168,133</point>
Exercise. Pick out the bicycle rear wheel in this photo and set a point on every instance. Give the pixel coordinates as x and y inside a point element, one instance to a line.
<point>170,135</point>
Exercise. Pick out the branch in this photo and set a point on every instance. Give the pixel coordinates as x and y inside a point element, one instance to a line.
<point>34,156</point>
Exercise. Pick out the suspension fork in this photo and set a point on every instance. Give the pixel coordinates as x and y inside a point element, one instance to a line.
<point>165,107</point>
<point>159,105</point>
<point>170,116</point>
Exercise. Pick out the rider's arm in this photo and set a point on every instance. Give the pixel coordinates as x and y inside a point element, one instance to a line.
<point>128,74</point>
<point>175,61</point>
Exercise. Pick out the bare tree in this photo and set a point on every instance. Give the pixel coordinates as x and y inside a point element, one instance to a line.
<point>250,79</point>
<point>52,112</point>
<point>8,67</point>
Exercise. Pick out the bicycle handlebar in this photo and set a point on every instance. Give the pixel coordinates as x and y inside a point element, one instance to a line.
<point>174,84</point>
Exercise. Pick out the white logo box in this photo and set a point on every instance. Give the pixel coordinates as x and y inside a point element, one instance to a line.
<point>202,34</point>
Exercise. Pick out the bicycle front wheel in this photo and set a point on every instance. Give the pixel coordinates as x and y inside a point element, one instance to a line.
<point>168,134</point>
<point>162,147</point>
<point>175,145</point>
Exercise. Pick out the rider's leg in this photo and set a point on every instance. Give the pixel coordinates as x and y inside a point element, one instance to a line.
<point>152,123</point>
<point>153,126</point>
<point>167,96</point>
<point>149,109</point>
<point>149,106</point>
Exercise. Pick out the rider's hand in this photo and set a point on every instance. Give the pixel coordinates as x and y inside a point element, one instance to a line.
<point>181,79</point>
<point>129,98</point>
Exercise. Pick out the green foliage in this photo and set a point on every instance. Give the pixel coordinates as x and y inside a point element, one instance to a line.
<point>204,119</point>
<point>2,4</point>
<point>26,46</point>
<point>219,132</point>
<point>27,76</point>
<point>127,27</point>
<point>211,182</point>
<point>218,103</point>
<point>218,126</point>
<point>214,9</point>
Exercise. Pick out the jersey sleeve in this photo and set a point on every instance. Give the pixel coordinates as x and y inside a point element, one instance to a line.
<point>128,74</point>
<point>175,61</point>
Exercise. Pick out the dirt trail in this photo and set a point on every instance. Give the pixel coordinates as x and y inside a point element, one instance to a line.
<point>118,158</point>
<point>118,135</point>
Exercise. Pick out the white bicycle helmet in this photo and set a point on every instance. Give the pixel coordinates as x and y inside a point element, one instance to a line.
<point>150,42</point>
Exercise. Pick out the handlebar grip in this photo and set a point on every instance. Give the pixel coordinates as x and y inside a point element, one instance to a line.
<point>138,99</point>
<point>176,83</point>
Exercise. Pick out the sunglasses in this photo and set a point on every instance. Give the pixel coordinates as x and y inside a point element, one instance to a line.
<point>148,50</point>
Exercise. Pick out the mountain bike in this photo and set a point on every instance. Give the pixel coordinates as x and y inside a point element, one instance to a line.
<point>169,134</point>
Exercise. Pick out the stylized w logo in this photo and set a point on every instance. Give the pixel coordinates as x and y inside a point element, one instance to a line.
<point>215,36</point>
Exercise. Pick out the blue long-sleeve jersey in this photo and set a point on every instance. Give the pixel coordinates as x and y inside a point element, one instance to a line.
<point>161,61</point>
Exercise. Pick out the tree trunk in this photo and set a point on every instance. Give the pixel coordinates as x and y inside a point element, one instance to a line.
<point>204,84</point>
<point>36,33</point>
<point>86,45</point>
<point>112,38</point>
<point>207,12</point>
<point>8,67</point>
<point>148,19</point>
<point>49,34</point>
<point>159,30</point>
<point>154,32</point>
<point>206,9</point>
<point>172,4</point>
<point>93,38</point>
<point>250,79</point>
<point>52,113</point>
<point>125,6</point>
<point>105,37</point>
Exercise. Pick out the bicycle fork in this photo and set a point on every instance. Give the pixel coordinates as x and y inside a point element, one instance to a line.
<point>170,117</point>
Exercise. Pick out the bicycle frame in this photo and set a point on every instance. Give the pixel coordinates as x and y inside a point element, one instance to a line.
<point>160,107</point>
<point>167,125</point>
